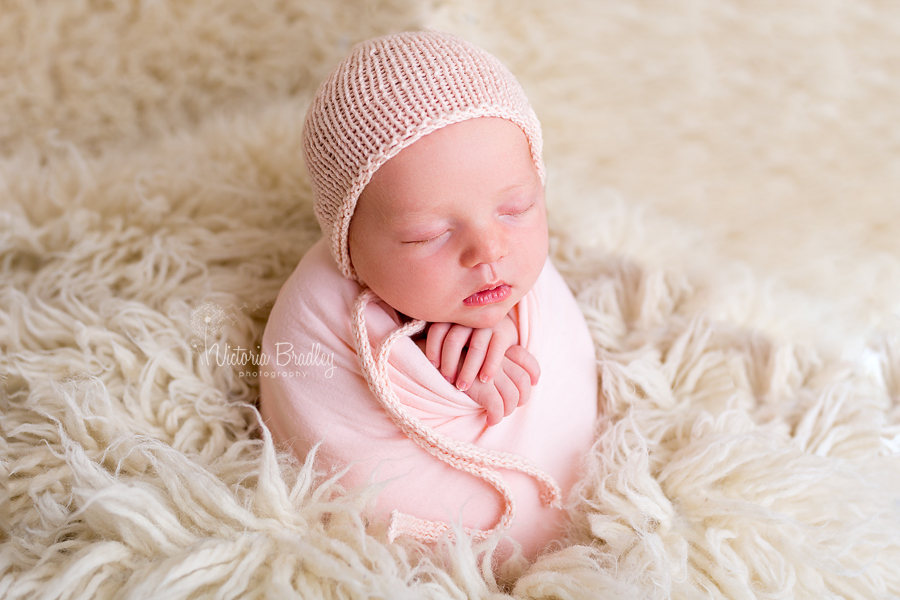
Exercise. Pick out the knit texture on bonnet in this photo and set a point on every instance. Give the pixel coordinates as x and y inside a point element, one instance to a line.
<point>388,93</point>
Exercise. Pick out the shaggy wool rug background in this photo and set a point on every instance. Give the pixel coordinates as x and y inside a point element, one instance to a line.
<point>724,187</point>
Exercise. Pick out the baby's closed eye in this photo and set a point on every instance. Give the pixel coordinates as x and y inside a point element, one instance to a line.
<point>517,207</point>
<point>514,212</point>
<point>427,238</point>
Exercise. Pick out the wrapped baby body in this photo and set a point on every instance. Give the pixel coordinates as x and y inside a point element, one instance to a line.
<point>424,157</point>
<point>439,469</point>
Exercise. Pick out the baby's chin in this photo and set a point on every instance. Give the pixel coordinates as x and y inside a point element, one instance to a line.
<point>481,321</point>
<point>482,317</point>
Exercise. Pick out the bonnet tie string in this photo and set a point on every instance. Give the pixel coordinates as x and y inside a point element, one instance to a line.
<point>460,455</point>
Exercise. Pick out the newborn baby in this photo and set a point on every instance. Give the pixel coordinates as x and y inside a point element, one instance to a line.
<point>426,342</point>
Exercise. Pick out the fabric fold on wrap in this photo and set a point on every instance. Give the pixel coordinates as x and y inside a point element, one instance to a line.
<point>390,416</point>
<point>459,455</point>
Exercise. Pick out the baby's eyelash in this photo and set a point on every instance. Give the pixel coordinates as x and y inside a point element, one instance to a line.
<point>521,212</point>
<point>441,234</point>
<point>422,242</point>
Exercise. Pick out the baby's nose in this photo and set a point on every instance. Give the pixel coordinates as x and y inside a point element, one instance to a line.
<point>488,246</point>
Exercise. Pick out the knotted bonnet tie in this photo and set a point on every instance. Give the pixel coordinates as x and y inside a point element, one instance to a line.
<point>460,455</point>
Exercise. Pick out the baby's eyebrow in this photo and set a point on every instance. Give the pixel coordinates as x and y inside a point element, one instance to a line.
<point>406,218</point>
<point>511,188</point>
<point>517,186</point>
<point>409,225</point>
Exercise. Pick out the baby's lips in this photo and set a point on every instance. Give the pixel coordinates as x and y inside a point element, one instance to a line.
<point>491,295</point>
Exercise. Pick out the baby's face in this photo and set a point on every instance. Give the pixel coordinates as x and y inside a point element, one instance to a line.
<point>454,228</point>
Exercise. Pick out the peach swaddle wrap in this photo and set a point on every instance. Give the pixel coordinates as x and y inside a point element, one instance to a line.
<point>438,460</point>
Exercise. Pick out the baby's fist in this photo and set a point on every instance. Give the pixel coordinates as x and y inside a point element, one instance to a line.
<point>509,388</point>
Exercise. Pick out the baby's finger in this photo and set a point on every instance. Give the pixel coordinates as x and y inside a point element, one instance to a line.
<point>479,342</point>
<point>524,358</point>
<point>494,357</point>
<point>434,341</point>
<point>451,350</point>
<point>491,399</point>
<point>514,386</point>
<point>521,379</point>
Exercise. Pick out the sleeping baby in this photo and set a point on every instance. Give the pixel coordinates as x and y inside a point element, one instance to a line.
<point>426,343</point>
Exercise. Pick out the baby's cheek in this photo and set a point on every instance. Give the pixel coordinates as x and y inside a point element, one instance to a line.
<point>534,255</point>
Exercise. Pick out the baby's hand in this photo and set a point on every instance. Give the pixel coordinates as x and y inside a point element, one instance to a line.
<point>484,350</point>
<point>510,388</point>
<point>496,372</point>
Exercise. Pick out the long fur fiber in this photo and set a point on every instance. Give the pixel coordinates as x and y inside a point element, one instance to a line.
<point>723,195</point>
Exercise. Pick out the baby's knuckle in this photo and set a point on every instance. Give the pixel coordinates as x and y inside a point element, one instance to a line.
<point>458,336</point>
<point>515,352</point>
<point>478,345</point>
<point>438,329</point>
<point>520,378</point>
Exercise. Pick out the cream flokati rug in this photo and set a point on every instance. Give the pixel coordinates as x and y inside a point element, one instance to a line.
<point>725,196</point>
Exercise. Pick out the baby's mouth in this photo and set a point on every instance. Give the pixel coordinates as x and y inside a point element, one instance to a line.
<point>497,293</point>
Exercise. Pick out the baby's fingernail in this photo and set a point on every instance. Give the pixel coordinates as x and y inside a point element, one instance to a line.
<point>462,386</point>
<point>434,364</point>
<point>448,378</point>
<point>484,378</point>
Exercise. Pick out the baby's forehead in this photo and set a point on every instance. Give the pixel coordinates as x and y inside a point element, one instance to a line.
<point>449,175</point>
<point>479,144</point>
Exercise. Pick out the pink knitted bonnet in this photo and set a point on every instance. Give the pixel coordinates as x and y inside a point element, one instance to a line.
<point>388,93</point>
